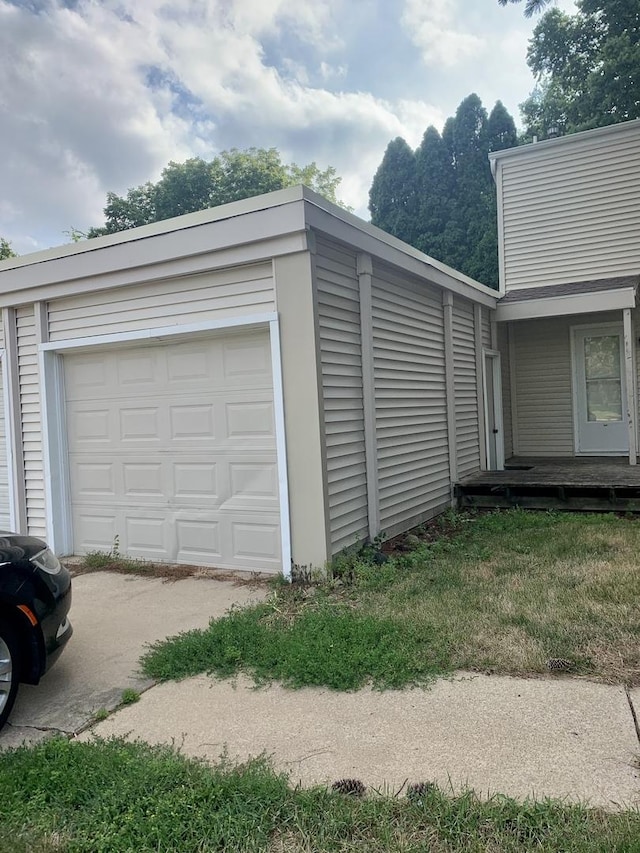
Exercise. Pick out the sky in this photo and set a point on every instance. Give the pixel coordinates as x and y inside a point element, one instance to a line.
<point>99,95</point>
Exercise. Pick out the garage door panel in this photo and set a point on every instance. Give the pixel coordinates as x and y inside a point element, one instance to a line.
<point>236,418</point>
<point>238,481</point>
<point>177,459</point>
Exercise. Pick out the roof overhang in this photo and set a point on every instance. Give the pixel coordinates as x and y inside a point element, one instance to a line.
<point>561,300</point>
<point>563,305</point>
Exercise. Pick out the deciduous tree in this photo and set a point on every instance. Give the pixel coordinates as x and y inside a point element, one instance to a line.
<point>197,184</point>
<point>5,249</point>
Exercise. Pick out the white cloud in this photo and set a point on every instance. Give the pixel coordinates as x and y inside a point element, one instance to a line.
<point>101,95</point>
<point>434,26</point>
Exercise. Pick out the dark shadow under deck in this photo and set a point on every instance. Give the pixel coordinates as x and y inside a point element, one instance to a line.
<point>574,483</point>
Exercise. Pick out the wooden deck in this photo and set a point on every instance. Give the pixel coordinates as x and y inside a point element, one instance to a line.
<point>576,483</point>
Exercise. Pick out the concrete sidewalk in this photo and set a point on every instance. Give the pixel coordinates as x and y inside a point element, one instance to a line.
<point>561,738</point>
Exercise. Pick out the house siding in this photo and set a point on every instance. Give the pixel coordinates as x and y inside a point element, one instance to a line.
<point>338,306</point>
<point>466,389</point>
<point>5,504</point>
<point>210,296</point>
<point>410,398</point>
<point>31,419</point>
<point>570,210</point>
<point>543,380</point>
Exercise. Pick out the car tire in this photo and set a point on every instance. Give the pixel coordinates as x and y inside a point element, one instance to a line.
<point>9,671</point>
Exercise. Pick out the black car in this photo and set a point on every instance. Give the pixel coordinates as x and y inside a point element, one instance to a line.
<point>35,596</point>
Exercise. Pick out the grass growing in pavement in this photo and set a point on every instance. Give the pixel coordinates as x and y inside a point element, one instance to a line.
<point>113,797</point>
<point>502,592</point>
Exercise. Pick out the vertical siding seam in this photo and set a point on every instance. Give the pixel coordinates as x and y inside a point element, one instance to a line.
<point>482,436</point>
<point>14,419</point>
<point>365,273</point>
<point>447,315</point>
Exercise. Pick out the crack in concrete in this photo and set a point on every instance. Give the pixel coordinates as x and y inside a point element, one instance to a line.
<point>19,726</point>
<point>634,716</point>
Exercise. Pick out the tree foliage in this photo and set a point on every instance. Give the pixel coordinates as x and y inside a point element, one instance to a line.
<point>441,198</point>
<point>587,66</point>
<point>5,250</point>
<point>531,6</point>
<point>197,184</point>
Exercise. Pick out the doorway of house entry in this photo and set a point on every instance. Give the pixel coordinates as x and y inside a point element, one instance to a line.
<point>600,393</point>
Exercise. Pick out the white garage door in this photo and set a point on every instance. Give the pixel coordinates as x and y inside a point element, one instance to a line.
<point>172,451</point>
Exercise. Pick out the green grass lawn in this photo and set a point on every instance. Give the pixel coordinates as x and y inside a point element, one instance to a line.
<point>502,592</point>
<point>117,797</point>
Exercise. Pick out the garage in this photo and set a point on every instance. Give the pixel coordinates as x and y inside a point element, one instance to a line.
<point>257,386</point>
<point>172,450</point>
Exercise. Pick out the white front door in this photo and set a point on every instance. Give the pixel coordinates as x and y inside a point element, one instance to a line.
<point>600,392</point>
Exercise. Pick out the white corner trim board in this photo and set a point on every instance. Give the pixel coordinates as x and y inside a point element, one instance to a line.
<point>56,473</point>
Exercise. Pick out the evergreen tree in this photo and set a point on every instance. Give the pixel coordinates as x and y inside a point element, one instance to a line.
<point>443,199</point>
<point>393,193</point>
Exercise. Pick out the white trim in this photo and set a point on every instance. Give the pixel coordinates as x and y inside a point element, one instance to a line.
<point>57,485</point>
<point>54,437</point>
<point>496,370</point>
<point>160,332</point>
<point>281,446</point>
<point>576,303</point>
<point>573,330</point>
<point>6,401</point>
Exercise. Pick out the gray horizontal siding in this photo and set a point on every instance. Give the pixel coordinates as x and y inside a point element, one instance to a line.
<point>30,412</point>
<point>570,212</point>
<point>341,362</point>
<point>543,380</point>
<point>216,295</point>
<point>5,508</point>
<point>410,398</point>
<point>466,390</point>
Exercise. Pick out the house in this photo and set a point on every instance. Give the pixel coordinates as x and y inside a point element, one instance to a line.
<point>567,321</point>
<point>262,383</point>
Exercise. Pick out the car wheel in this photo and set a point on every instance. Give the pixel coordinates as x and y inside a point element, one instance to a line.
<point>9,671</point>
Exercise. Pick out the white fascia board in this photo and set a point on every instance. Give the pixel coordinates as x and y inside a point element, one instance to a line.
<point>329,219</point>
<point>536,149</point>
<point>151,250</point>
<point>561,306</point>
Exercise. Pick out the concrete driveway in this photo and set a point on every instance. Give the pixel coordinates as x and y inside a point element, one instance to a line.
<point>114,617</point>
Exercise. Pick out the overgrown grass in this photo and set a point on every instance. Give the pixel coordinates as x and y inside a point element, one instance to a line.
<point>115,797</point>
<point>503,592</point>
